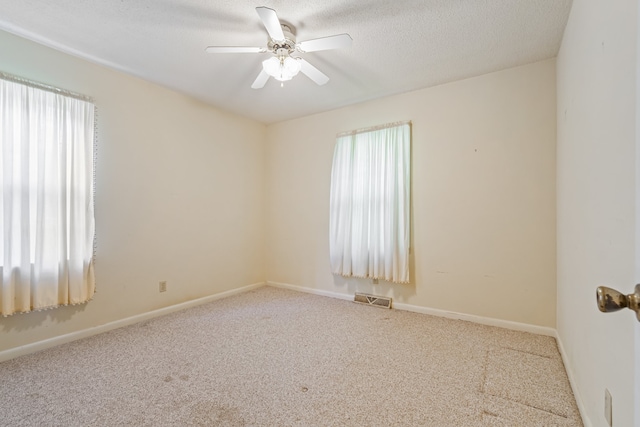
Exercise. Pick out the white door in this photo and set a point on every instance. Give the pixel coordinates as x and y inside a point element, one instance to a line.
<point>637,356</point>
<point>616,337</point>
<point>636,398</point>
<point>637,239</point>
<point>598,188</point>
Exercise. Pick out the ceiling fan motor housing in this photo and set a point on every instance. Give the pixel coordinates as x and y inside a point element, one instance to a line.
<point>283,47</point>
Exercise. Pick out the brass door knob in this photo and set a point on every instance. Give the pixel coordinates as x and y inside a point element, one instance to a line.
<point>610,300</point>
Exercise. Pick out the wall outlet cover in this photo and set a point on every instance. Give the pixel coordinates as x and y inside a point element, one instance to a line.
<point>608,414</point>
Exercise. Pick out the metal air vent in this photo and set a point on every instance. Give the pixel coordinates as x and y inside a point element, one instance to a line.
<point>383,302</point>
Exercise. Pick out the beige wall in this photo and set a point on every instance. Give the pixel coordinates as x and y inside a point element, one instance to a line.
<point>597,217</point>
<point>179,195</point>
<point>483,159</point>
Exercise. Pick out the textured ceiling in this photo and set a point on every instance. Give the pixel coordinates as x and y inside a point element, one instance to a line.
<point>398,45</point>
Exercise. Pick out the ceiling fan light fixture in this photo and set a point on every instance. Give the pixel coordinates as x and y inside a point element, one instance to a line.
<point>281,69</point>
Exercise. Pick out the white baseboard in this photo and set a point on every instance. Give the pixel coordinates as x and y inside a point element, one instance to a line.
<point>84,333</point>
<point>524,327</point>
<point>574,387</point>
<point>489,321</point>
<point>311,290</point>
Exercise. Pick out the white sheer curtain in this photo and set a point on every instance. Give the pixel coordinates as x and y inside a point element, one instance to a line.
<point>369,206</point>
<point>46,204</point>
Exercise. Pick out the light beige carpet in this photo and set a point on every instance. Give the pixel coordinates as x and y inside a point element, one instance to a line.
<point>273,357</point>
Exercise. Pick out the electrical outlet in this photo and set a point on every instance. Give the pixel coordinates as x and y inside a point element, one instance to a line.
<point>162,287</point>
<point>607,407</point>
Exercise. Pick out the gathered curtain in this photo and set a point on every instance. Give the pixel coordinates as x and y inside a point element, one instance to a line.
<point>370,204</point>
<point>46,201</point>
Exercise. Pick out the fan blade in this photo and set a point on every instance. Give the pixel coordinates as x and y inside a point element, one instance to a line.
<point>234,49</point>
<point>261,80</point>
<point>325,43</point>
<point>271,22</point>
<point>313,73</point>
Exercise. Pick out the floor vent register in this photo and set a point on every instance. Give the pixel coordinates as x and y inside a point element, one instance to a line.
<point>383,302</point>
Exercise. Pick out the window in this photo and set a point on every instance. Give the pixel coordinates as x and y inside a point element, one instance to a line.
<point>369,206</point>
<point>46,200</point>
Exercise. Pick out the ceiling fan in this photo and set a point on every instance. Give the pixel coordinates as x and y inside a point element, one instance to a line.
<point>282,44</point>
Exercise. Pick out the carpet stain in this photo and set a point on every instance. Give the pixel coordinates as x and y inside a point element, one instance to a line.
<point>485,364</point>
<point>212,414</point>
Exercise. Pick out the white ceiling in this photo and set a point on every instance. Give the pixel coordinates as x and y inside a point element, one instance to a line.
<point>398,45</point>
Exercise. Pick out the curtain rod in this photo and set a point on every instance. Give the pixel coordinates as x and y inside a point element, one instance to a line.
<point>373,128</point>
<point>42,86</point>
